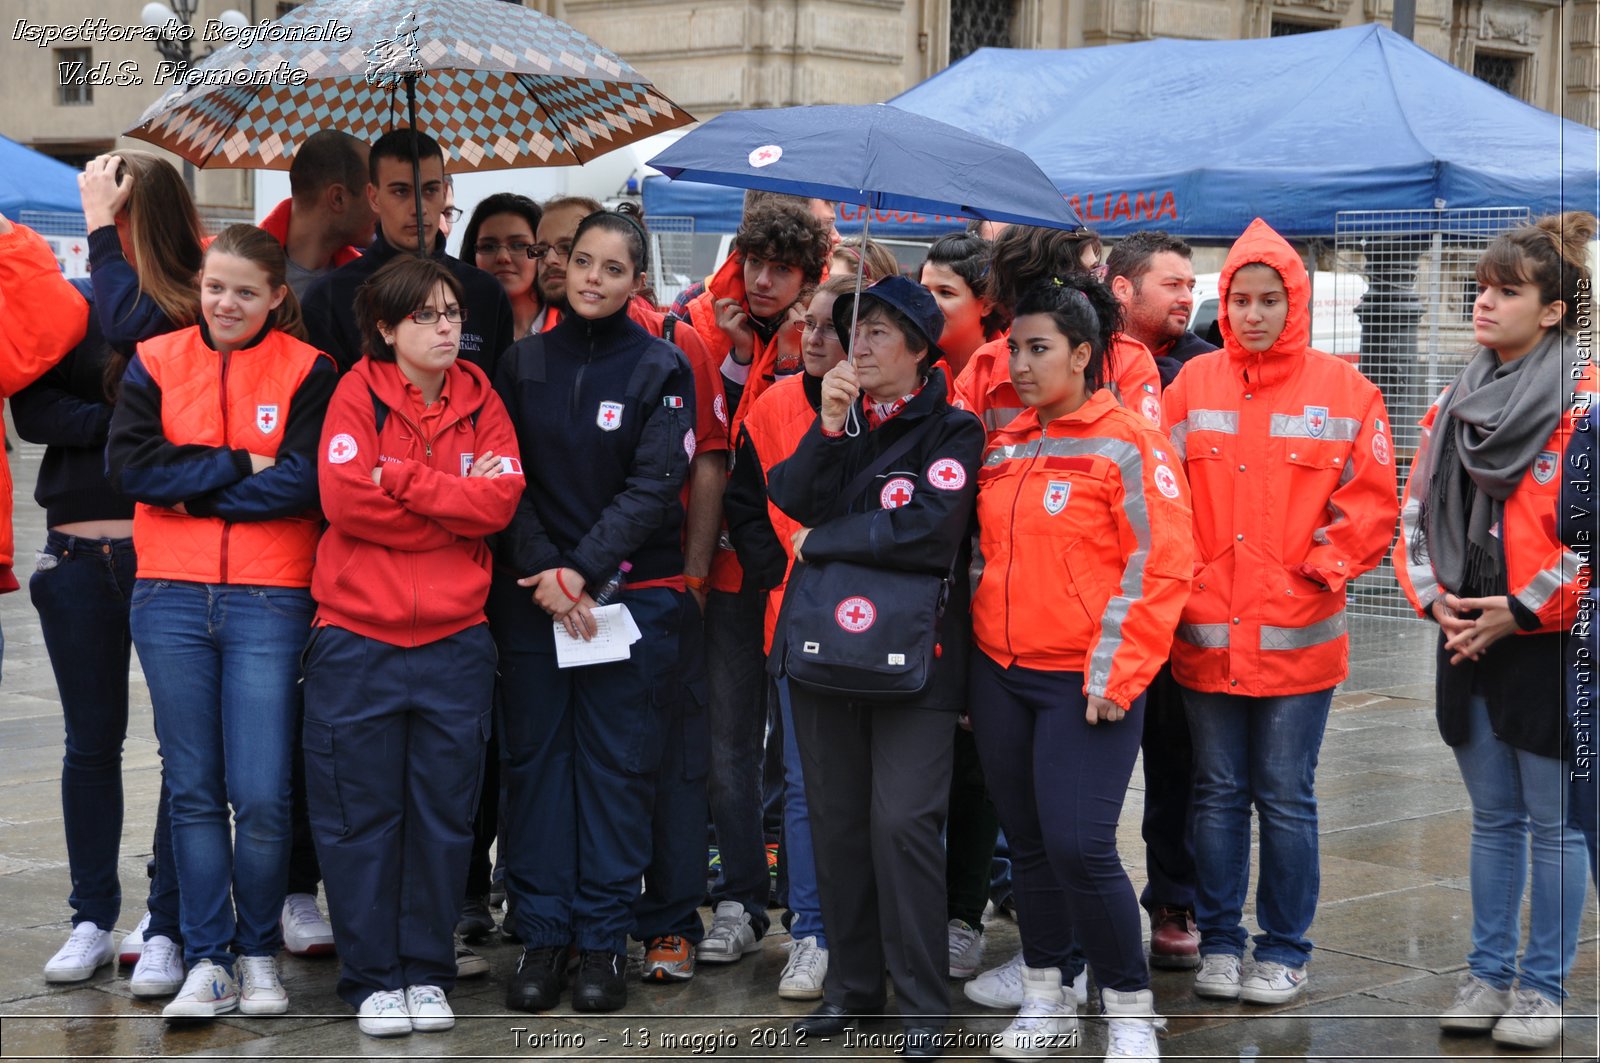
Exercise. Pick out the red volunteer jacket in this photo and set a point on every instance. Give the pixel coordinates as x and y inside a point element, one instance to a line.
<point>984,386</point>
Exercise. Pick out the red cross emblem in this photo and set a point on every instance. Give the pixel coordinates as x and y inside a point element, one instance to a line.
<point>855,614</point>
<point>266,419</point>
<point>896,493</point>
<point>77,250</point>
<point>765,155</point>
<point>947,475</point>
<point>341,448</point>
<point>609,416</point>
<point>1056,493</point>
<point>1544,467</point>
<point>1316,421</point>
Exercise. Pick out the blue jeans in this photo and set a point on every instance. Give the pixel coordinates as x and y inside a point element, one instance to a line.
<point>737,717</point>
<point>223,662</point>
<point>804,901</point>
<point>82,600</point>
<point>1516,796</point>
<point>1260,751</point>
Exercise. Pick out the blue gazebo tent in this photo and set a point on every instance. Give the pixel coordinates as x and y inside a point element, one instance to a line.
<point>31,181</point>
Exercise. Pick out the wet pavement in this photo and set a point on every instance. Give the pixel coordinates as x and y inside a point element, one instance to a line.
<point>1391,932</point>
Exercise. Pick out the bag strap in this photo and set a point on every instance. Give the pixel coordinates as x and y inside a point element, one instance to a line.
<point>885,461</point>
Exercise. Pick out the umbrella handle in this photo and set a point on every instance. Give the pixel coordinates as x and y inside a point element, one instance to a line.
<point>416,163</point>
<point>852,417</point>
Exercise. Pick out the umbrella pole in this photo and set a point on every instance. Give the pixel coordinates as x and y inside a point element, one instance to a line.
<point>852,423</point>
<point>416,164</point>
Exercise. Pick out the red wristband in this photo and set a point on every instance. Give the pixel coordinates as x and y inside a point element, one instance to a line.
<point>563,586</point>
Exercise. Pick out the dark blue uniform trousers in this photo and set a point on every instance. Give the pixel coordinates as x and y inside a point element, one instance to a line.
<point>394,746</point>
<point>580,749</point>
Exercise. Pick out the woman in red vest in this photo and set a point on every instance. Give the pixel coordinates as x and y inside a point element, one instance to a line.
<point>215,437</point>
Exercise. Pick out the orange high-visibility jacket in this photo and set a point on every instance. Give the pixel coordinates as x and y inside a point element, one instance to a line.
<point>1087,546</point>
<point>1290,462</point>
<point>984,386</point>
<point>42,317</point>
<point>774,427</point>
<point>1541,574</point>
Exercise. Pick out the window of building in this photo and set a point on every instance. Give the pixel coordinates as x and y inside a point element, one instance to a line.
<point>1282,27</point>
<point>978,24</point>
<point>72,76</point>
<point>1504,72</point>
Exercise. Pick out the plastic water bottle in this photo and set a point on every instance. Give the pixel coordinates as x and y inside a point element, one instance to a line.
<point>613,586</point>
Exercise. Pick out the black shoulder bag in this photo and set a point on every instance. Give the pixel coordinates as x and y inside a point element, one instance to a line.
<point>859,631</point>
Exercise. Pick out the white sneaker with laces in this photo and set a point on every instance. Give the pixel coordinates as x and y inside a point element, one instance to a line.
<point>384,1014</point>
<point>966,949</point>
<point>1478,1005</point>
<point>1131,1025</point>
<point>209,991</point>
<point>1046,1023</point>
<point>305,931</point>
<point>731,936</point>
<point>1272,983</point>
<point>133,942</point>
<point>159,972</point>
<point>1218,977</point>
<point>428,1008</point>
<point>260,988</point>
<point>1001,987</point>
<point>87,949</point>
<point>1534,1021</point>
<point>803,974</point>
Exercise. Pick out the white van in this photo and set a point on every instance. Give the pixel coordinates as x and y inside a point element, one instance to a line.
<point>1334,327</point>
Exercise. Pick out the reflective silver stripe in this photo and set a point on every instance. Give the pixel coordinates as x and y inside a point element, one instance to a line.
<point>1293,426</point>
<point>1419,569</point>
<point>1206,636</point>
<point>1537,594</point>
<point>1347,473</point>
<point>1338,515</point>
<point>1130,462</point>
<point>1179,435</point>
<point>1298,638</point>
<point>997,417</point>
<point>1214,421</point>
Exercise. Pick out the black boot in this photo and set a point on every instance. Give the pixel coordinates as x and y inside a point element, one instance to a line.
<point>599,984</point>
<point>540,977</point>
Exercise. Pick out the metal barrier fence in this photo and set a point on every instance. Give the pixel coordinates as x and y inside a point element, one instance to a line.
<point>67,234</point>
<point>1412,327</point>
<point>671,255</point>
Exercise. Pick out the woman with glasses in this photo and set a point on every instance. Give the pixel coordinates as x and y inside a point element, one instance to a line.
<point>500,239</point>
<point>419,464</point>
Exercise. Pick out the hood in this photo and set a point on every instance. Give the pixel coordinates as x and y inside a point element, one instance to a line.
<point>728,281</point>
<point>1260,243</point>
<point>467,384</point>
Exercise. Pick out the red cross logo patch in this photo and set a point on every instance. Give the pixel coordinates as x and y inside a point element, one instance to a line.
<point>267,419</point>
<point>1056,493</point>
<point>1316,421</point>
<point>1151,408</point>
<point>855,614</point>
<point>1380,447</point>
<point>1166,483</point>
<point>719,406</point>
<point>341,448</point>
<point>896,493</point>
<point>947,475</point>
<point>609,416</point>
<point>765,155</point>
<point>1544,467</point>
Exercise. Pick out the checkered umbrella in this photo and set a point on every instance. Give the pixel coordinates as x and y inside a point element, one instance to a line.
<point>496,84</point>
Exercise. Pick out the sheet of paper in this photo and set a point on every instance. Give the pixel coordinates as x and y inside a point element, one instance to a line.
<point>614,636</point>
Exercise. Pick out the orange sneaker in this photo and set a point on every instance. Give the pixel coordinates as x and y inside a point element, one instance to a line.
<point>668,959</point>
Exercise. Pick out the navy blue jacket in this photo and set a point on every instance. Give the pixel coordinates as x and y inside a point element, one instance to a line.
<point>330,314</point>
<point>1170,359</point>
<point>604,414</point>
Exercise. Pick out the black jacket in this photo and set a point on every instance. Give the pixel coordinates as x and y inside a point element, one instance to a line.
<point>1173,357</point>
<point>604,414</point>
<point>930,533</point>
<point>329,308</point>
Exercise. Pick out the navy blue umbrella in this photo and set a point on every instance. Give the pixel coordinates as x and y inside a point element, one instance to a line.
<point>874,155</point>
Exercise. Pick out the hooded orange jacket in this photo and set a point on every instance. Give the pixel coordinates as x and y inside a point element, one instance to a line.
<point>984,386</point>
<point>1087,547</point>
<point>1290,461</point>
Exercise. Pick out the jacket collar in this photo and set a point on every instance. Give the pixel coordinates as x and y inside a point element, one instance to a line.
<point>256,340</point>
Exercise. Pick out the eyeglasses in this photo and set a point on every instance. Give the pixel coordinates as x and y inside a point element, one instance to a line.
<point>562,250</point>
<point>451,214</point>
<point>492,249</point>
<point>429,316</point>
<point>824,327</point>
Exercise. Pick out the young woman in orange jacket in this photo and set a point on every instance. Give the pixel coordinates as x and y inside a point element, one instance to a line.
<point>1481,556</point>
<point>1288,453</point>
<point>1084,530</point>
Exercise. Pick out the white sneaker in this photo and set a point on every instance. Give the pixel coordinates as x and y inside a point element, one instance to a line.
<point>305,931</point>
<point>159,972</point>
<point>1218,976</point>
<point>1047,1022</point>
<point>1534,1021</point>
<point>384,1014</point>
<point>1272,983</point>
<point>731,936</point>
<point>260,988</point>
<point>87,949</point>
<point>428,1008</point>
<point>966,949</point>
<point>133,943</point>
<point>1131,1025</point>
<point>1477,1007</point>
<point>209,991</point>
<point>803,974</point>
<point>1001,987</point>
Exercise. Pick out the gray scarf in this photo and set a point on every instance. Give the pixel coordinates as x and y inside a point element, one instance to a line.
<point>1492,423</point>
